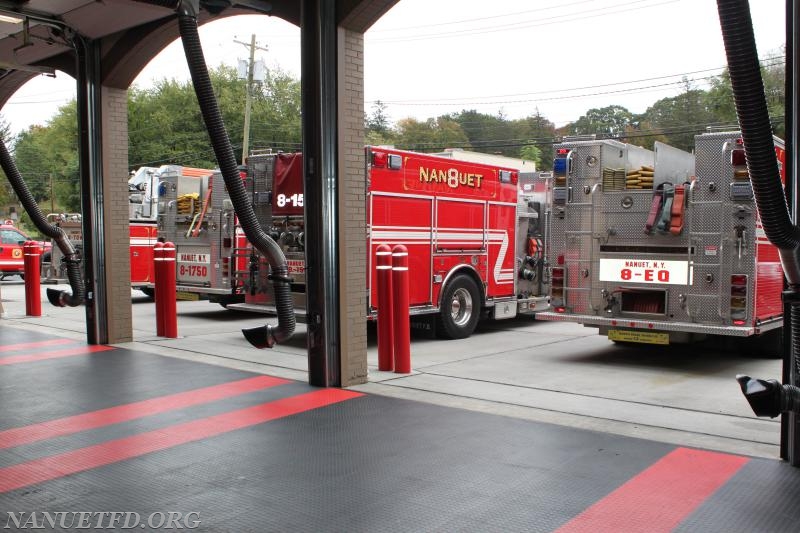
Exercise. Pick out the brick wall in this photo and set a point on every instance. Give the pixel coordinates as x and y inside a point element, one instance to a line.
<point>352,208</point>
<point>115,207</point>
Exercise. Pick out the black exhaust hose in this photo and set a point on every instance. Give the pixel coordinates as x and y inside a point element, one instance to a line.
<point>58,298</point>
<point>241,201</point>
<point>172,4</point>
<point>762,164</point>
<point>751,108</point>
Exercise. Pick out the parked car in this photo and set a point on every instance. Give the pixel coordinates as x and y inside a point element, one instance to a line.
<point>12,240</point>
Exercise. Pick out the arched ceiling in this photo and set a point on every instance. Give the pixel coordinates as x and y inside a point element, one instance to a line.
<point>35,34</point>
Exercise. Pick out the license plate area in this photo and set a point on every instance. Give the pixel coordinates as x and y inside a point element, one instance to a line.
<point>642,337</point>
<point>190,296</point>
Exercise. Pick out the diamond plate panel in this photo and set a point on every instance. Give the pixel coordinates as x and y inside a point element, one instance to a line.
<point>603,220</point>
<point>179,218</point>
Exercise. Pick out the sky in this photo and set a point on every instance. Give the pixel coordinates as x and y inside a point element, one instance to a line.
<point>426,58</point>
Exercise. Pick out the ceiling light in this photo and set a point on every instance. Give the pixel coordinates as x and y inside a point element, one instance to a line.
<point>9,18</point>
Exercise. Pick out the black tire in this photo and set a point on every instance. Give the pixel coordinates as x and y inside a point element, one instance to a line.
<point>149,291</point>
<point>46,257</point>
<point>460,308</point>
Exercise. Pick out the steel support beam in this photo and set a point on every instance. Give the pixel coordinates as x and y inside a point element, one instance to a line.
<point>91,175</point>
<point>318,36</point>
<point>790,422</point>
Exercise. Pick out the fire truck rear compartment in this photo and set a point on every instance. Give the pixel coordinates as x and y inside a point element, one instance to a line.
<point>644,301</point>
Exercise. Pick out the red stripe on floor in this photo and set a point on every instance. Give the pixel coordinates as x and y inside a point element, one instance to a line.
<point>40,344</point>
<point>662,496</point>
<point>80,460</point>
<point>131,411</point>
<point>55,354</point>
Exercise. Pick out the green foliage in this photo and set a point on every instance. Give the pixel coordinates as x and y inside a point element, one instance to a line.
<point>166,127</point>
<point>531,152</point>
<point>47,158</point>
<point>486,133</point>
<point>430,136</point>
<point>377,123</point>
<point>275,122</point>
<point>7,196</point>
<point>537,133</point>
<point>610,121</point>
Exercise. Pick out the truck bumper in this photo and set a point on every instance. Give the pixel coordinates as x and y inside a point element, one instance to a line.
<point>655,325</point>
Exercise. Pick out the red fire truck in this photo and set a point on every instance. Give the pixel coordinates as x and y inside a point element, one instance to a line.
<point>474,234</point>
<point>663,246</point>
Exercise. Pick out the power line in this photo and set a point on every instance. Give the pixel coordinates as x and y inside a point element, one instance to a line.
<point>773,61</point>
<point>547,141</point>
<point>527,24</point>
<point>482,19</point>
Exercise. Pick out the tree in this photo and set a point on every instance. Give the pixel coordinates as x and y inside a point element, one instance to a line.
<point>47,156</point>
<point>166,127</point>
<point>487,133</point>
<point>276,112</point>
<point>378,122</point>
<point>610,121</point>
<point>680,118</point>
<point>531,152</point>
<point>537,132</point>
<point>6,193</point>
<point>719,98</point>
<point>433,135</point>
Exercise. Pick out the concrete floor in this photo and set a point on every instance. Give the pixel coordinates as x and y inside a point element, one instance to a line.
<point>546,371</point>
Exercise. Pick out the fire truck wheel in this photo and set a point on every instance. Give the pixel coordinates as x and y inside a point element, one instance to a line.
<point>460,308</point>
<point>149,292</point>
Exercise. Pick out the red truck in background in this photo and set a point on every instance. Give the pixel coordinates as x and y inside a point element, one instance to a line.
<point>473,231</point>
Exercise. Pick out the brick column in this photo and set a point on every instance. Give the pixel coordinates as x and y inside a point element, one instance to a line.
<point>115,206</point>
<point>352,208</point>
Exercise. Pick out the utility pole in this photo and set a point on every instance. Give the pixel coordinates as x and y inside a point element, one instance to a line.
<point>249,96</point>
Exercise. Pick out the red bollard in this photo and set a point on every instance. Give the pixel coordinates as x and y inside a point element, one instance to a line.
<point>158,280</point>
<point>33,297</point>
<point>384,274</point>
<point>170,307</point>
<point>400,310</point>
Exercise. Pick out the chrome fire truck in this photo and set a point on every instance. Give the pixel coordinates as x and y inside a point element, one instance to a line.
<point>143,206</point>
<point>142,215</point>
<point>474,232</point>
<point>198,217</point>
<point>662,246</point>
